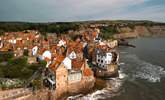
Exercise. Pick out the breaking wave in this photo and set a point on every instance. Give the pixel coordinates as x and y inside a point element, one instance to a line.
<point>113,89</point>
<point>131,68</point>
<point>122,75</point>
<point>146,70</point>
<point>123,52</point>
<point>122,63</point>
<point>152,73</point>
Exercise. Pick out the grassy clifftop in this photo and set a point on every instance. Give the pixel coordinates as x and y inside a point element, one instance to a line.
<point>128,28</point>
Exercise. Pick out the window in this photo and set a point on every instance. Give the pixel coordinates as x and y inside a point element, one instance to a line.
<point>109,54</point>
<point>75,76</point>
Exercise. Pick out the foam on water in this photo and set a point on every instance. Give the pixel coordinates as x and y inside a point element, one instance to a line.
<point>146,70</point>
<point>121,74</point>
<point>132,66</point>
<point>122,63</point>
<point>113,89</point>
<point>122,52</point>
<point>152,73</point>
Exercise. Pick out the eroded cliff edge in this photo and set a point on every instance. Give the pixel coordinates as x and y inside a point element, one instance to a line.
<point>140,31</point>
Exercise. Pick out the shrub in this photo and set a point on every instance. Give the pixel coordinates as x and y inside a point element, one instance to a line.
<point>5,56</point>
<point>1,72</point>
<point>108,32</point>
<point>25,53</point>
<point>18,61</point>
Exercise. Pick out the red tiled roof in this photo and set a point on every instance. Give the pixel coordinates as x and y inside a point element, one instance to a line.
<point>87,72</point>
<point>57,61</point>
<point>41,50</point>
<point>94,34</point>
<point>73,46</point>
<point>76,64</point>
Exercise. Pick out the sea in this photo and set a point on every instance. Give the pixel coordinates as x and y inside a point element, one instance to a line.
<point>141,74</point>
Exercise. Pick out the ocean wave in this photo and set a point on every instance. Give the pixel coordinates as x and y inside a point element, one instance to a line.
<point>146,70</point>
<point>113,89</point>
<point>152,73</point>
<point>121,74</point>
<point>122,63</point>
<point>123,52</point>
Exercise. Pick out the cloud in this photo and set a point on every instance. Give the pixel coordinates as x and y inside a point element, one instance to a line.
<point>79,8</point>
<point>71,10</point>
<point>154,13</point>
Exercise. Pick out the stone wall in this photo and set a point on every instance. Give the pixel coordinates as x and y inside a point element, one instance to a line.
<point>31,60</point>
<point>63,86</point>
<point>61,80</point>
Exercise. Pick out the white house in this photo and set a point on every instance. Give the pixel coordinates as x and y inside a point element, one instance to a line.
<point>97,30</point>
<point>13,41</point>
<point>18,38</point>
<point>67,62</point>
<point>72,55</point>
<point>34,50</point>
<point>1,44</point>
<point>112,44</point>
<point>47,57</point>
<point>61,43</point>
<point>103,59</point>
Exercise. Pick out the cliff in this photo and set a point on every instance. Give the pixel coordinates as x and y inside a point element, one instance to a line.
<point>121,28</point>
<point>141,31</point>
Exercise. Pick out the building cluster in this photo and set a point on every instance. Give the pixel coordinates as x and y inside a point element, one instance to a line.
<point>67,58</point>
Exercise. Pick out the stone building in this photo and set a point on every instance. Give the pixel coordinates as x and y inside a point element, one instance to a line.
<point>73,79</point>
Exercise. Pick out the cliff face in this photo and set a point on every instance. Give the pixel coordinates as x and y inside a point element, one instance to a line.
<point>157,30</point>
<point>141,31</point>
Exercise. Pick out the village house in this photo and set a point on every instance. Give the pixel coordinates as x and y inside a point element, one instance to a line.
<point>105,50</point>
<point>18,52</point>
<point>112,43</point>
<point>32,54</point>
<point>32,60</point>
<point>67,59</point>
<point>106,60</point>
<point>1,43</point>
<point>71,71</point>
<point>52,37</point>
<point>71,75</point>
<point>103,58</point>
<point>98,25</point>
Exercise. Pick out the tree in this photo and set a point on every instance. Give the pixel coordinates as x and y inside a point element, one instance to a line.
<point>18,61</point>
<point>1,32</point>
<point>1,72</point>
<point>6,56</point>
<point>108,32</point>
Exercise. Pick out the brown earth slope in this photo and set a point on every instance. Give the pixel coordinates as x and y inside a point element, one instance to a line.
<point>141,31</point>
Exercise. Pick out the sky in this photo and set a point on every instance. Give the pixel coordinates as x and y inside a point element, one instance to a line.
<point>81,10</point>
